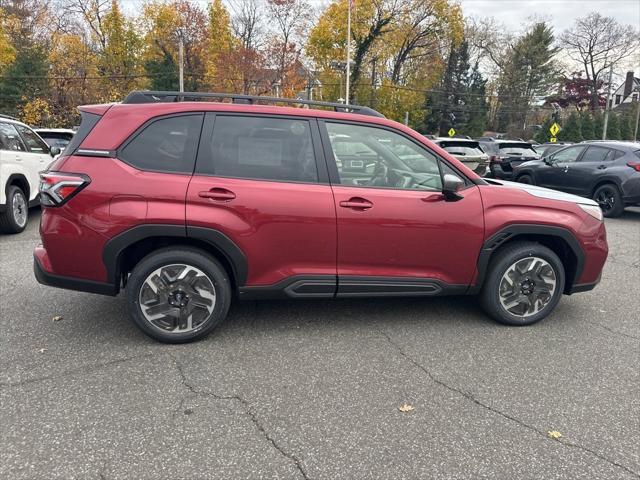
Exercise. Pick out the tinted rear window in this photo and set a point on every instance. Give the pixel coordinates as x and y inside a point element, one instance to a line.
<point>523,149</point>
<point>462,148</point>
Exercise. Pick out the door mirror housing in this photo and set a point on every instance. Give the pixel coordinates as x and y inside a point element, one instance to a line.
<point>451,185</point>
<point>53,151</point>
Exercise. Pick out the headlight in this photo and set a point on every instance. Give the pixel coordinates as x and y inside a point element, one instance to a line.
<point>594,210</point>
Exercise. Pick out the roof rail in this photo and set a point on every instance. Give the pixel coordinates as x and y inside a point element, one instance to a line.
<point>2,115</point>
<point>144,96</point>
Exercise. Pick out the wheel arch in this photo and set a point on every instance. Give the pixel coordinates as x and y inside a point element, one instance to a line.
<point>604,181</point>
<point>19,180</point>
<point>124,251</point>
<point>560,240</point>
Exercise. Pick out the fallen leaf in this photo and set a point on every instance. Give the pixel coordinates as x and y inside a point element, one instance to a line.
<point>554,434</point>
<point>405,408</point>
<point>57,318</point>
<point>42,350</point>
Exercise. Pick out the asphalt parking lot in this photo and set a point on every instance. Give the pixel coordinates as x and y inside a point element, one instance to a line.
<point>312,389</point>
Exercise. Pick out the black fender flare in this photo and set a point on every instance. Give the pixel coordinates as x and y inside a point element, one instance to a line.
<point>513,231</point>
<point>111,254</point>
<point>22,179</point>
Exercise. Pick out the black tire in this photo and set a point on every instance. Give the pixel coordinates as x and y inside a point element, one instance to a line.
<point>528,179</point>
<point>8,220</point>
<point>192,257</point>
<point>610,200</point>
<point>502,261</point>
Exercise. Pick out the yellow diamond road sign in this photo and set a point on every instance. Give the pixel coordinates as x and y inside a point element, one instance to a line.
<point>451,132</point>
<point>553,139</point>
<point>555,128</point>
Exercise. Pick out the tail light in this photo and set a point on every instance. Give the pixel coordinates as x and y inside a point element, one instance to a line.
<point>57,188</point>
<point>634,165</point>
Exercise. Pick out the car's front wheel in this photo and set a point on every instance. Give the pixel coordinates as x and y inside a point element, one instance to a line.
<point>524,284</point>
<point>178,295</point>
<point>525,179</point>
<point>15,217</point>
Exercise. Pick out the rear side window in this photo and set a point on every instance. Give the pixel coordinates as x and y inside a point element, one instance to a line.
<point>597,154</point>
<point>34,143</point>
<point>10,139</point>
<point>260,148</point>
<point>165,145</point>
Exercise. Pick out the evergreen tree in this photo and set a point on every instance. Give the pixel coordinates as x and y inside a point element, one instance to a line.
<point>477,103</point>
<point>543,135</point>
<point>587,124</point>
<point>571,132</point>
<point>626,126</point>
<point>163,73</point>
<point>24,79</point>
<point>613,127</point>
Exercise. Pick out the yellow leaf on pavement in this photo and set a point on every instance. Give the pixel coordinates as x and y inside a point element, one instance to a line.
<point>554,434</point>
<point>405,408</point>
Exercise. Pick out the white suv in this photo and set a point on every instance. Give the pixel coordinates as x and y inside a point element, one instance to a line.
<point>23,154</point>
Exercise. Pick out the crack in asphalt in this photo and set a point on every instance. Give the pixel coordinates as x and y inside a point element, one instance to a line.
<point>473,399</point>
<point>249,411</point>
<point>611,330</point>
<point>81,369</point>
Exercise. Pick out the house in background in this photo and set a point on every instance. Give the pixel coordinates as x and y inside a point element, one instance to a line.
<point>627,93</point>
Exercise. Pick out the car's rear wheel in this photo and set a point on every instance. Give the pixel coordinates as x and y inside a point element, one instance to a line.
<point>178,295</point>
<point>16,216</point>
<point>524,284</point>
<point>610,200</point>
<point>528,179</point>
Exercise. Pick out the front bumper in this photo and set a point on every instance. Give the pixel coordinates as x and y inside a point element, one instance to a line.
<point>45,277</point>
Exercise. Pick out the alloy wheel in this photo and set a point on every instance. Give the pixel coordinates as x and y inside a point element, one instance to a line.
<point>527,286</point>
<point>19,208</point>
<point>177,298</point>
<point>606,199</point>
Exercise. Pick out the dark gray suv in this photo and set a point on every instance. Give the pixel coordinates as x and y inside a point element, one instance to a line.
<point>608,172</point>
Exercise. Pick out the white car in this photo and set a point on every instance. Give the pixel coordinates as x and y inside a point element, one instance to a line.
<point>56,137</point>
<point>23,154</point>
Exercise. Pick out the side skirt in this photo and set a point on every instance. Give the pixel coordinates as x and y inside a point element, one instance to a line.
<point>329,286</point>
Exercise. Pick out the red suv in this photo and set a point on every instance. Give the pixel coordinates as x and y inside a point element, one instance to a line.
<point>188,204</point>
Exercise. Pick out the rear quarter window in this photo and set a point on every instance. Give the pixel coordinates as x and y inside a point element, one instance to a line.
<point>167,145</point>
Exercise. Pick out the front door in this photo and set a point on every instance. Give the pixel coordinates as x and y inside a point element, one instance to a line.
<point>396,232</point>
<point>556,174</point>
<point>258,182</point>
<point>583,174</point>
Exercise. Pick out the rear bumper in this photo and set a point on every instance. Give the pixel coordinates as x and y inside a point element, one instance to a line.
<point>45,277</point>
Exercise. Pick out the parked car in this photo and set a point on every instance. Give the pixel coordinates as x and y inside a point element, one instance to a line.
<point>608,172</point>
<point>188,204</point>
<point>23,154</point>
<point>504,155</point>
<point>56,137</point>
<point>468,152</point>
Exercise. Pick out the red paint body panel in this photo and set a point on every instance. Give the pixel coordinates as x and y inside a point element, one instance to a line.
<point>284,229</point>
<point>409,233</point>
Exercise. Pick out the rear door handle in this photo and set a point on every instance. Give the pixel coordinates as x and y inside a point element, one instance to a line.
<point>220,194</point>
<point>356,203</point>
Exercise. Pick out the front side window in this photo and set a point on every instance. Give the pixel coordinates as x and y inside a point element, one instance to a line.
<point>10,139</point>
<point>568,155</point>
<point>261,148</point>
<point>165,145</point>
<point>384,159</point>
<point>33,142</point>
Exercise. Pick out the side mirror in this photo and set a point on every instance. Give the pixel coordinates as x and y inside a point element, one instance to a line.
<point>451,185</point>
<point>547,160</point>
<point>53,151</point>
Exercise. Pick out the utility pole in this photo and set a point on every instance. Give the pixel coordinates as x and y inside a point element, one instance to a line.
<point>181,60</point>
<point>348,52</point>
<point>372,98</point>
<point>606,108</point>
<point>635,131</point>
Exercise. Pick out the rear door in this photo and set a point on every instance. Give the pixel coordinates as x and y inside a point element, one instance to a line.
<point>258,181</point>
<point>396,233</point>
<point>582,175</point>
<point>13,154</point>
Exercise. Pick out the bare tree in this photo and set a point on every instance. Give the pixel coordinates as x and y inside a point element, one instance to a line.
<point>598,42</point>
<point>247,22</point>
<point>93,13</point>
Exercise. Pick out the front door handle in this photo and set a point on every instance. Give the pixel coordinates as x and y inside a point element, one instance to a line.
<point>566,169</point>
<point>220,194</point>
<point>602,167</point>
<point>356,203</point>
